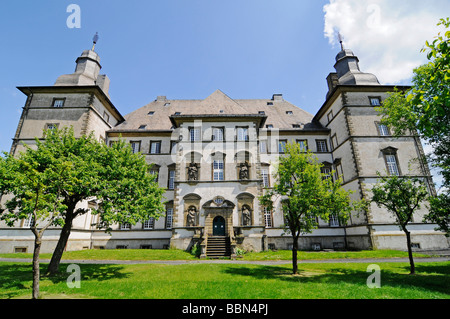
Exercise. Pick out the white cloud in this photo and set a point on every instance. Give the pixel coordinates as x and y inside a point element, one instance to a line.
<point>386,35</point>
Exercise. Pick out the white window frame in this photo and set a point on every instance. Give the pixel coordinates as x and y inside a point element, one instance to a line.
<point>322,146</point>
<point>282,146</point>
<point>169,218</point>
<point>171,182</point>
<point>149,223</point>
<point>155,147</point>
<point>194,134</point>
<point>383,130</point>
<point>135,146</point>
<point>218,170</point>
<point>29,222</point>
<point>218,134</point>
<point>334,220</point>
<point>125,226</point>
<point>265,176</point>
<point>392,165</point>
<point>242,134</point>
<point>268,221</point>
<point>58,102</point>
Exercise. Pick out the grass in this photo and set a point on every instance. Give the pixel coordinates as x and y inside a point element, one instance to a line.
<point>310,255</point>
<point>175,254</point>
<point>233,281</point>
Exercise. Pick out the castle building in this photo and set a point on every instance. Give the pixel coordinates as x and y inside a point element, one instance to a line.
<point>215,156</point>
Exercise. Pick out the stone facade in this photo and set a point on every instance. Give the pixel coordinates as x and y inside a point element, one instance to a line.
<point>217,155</point>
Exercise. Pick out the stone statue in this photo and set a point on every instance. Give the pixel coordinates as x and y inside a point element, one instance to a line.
<point>243,171</point>
<point>191,216</point>
<point>246,216</point>
<point>193,172</point>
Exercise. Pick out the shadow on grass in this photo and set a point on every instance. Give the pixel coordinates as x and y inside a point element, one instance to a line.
<point>16,279</point>
<point>433,278</point>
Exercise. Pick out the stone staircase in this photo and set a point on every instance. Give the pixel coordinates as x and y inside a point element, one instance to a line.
<point>218,247</point>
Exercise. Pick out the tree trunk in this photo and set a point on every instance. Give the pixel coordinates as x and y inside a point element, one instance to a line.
<point>411,260</point>
<point>36,272</point>
<point>53,267</point>
<point>294,255</point>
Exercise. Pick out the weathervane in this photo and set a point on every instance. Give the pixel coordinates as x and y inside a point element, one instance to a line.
<point>95,39</point>
<point>341,40</point>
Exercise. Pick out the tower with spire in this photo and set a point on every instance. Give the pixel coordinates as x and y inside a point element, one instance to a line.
<point>79,99</point>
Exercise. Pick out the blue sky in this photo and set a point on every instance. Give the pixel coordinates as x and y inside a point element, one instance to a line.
<point>186,49</point>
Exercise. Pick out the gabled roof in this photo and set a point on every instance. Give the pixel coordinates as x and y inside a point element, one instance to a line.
<point>157,114</point>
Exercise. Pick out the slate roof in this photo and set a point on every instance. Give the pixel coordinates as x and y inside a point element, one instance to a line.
<point>156,115</point>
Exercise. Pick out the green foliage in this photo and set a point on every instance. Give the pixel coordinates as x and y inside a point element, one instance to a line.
<point>425,109</point>
<point>196,250</point>
<point>439,212</point>
<point>402,196</point>
<point>306,193</point>
<point>63,170</point>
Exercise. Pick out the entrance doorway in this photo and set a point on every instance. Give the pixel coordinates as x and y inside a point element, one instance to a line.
<point>219,226</point>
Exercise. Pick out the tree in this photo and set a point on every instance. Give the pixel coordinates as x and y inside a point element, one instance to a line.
<point>118,179</point>
<point>36,196</point>
<point>401,196</point>
<point>305,194</point>
<point>425,109</point>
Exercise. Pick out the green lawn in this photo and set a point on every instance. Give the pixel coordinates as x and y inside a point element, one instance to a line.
<point>175,254</point>
<point>233,281</point>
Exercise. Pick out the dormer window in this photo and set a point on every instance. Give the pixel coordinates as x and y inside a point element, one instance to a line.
<point>289,112</point>
<point>151,113</point>
<point>142,127</point>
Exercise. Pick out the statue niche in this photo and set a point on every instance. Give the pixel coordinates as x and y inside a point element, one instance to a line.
<point>191,219</point>
<point>193,172</point>
<point>244,171</point>
<point>246,216</point>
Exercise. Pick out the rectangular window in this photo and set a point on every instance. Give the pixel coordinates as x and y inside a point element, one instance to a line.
<point>330,116</point>
<point>303,145</point>
<point>242,133</point>
<point>58,102</point>
<point>52,126</point>
<point>149,223</point>
<point>194,134</point>
<point>169,218</point>
<point>375,101</point>
<point>334,221</point>
<point>217,134</point>
<point>265,177</point>
<point>218,170</point>
<point>125,226</point>
<point>282,146</point>
<point>29,222</point>
<point>171,183</point>
<point>326,171</point>
<point>155,171</point>
<point>263,147</point>
<point>135,146</point>
<point>106,116</point>
<point>267,217</point>
<point>334,142</point>
<point>383,130</point>
<point>321,146</point>
<point>155,147</point>
<point>173,147</point>
<point>392,166</point>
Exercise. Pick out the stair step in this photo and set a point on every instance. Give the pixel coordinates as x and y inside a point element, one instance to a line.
<point>217,247</point>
